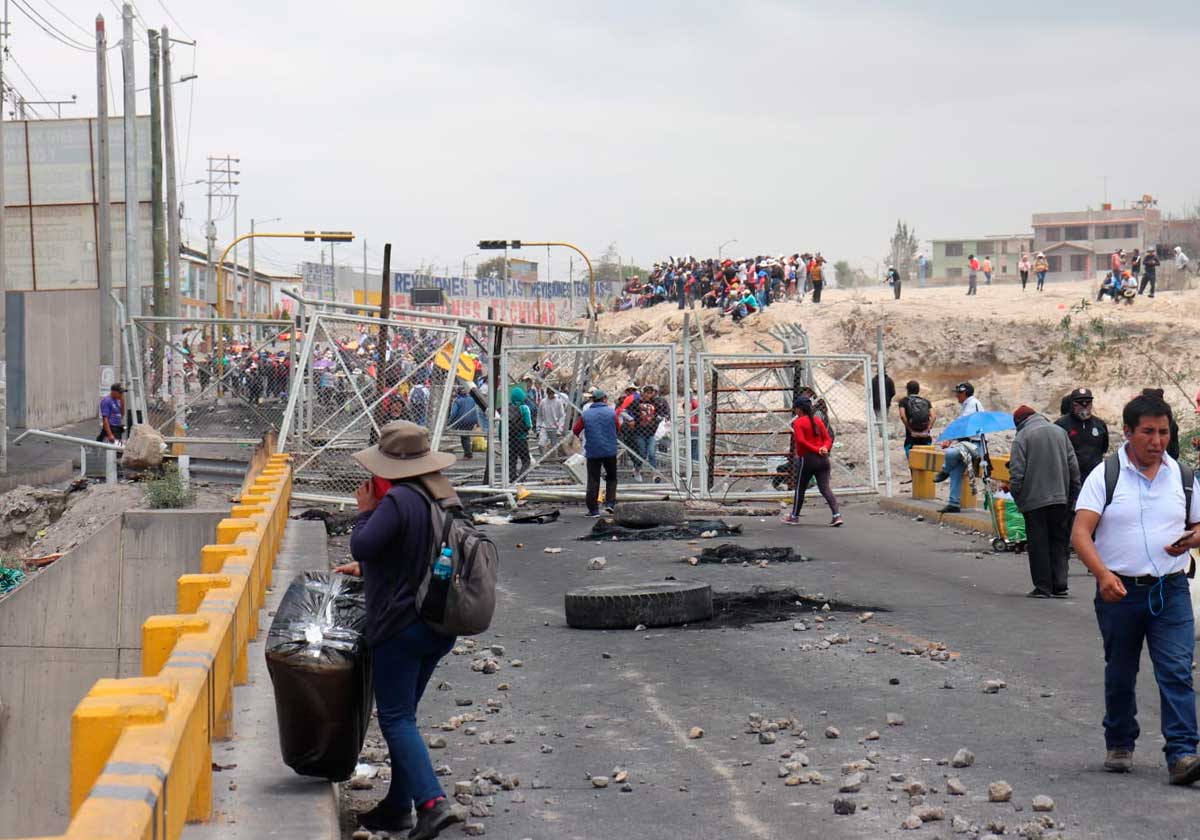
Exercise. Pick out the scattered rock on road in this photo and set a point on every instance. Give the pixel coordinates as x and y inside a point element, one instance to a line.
<point>993,686</point>
<point>551,551</point>
<point>911,822</point>
<point>596,564</point>
<point>1043,803</point>
<point>955,787</point>
<point>963,758</point>
<point>929,813</point>
<point>695,733</point>
<point>599,781</point>
<point>844,806</point>
<point>1000,792</point>
<point>852,783</point>
<point>832,732</point>
<point>894,719</point>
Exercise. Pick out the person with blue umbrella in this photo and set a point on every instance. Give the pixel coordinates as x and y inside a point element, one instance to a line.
<point>960,448</point>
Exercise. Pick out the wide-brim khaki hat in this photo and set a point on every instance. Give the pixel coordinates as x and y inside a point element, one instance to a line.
<point>402,452</point>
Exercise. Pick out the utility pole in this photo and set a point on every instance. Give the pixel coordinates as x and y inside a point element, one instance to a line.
<point>220,185</point>
<point>104,251</point>
<point>133,289</point>
<point>3,265</point>
<point>366,300</point>
<point>156,182</point>
<point>241,299</point>
<point>173,243</point>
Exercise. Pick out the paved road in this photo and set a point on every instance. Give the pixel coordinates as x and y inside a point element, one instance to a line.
<point>633,710</point>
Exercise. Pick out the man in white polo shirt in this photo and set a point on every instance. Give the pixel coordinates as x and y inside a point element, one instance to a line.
<point>1131,532</point>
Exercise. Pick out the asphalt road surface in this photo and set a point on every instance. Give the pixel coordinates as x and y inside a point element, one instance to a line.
<point>584,703</point>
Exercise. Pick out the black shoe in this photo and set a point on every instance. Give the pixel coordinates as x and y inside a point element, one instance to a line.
<point>940,477</point>
<point>431,821</point>
<point>1038,593</point>
<point>1062,593</point>
<point>609,510</point>
<point>950,509</point>
<point>593,514</point>
<point>383,818</point>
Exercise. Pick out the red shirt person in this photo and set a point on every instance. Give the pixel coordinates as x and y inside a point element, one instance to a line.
<point>811,443</point>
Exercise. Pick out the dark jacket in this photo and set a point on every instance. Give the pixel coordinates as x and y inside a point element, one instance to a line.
<point>389,543</point>
<point>1042,465</point>
<point>462,413</point>
<point>1089,439</point>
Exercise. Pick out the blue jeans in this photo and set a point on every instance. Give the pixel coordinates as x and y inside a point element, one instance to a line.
<point>402,667</point>
<point>1170,637</point>
<point>646,448</point>
<point>695,444</point>
<point>955,467</point>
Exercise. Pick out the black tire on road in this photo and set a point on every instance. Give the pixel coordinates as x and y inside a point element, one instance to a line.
<point>618,606</point>
<point>645,514</point>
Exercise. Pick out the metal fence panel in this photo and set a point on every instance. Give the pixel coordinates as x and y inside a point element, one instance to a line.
<point>347,390</point>
<point>746,413</point>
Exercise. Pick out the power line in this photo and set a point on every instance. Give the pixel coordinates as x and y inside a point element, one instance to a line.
<point>50,29</point>
<point>174,19</point>
<point>69,19</point>
<point>13,59</point>
<point>187,148</point>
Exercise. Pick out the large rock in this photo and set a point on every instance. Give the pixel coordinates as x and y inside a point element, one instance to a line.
<point>646,514</point>
<point>144,449</point>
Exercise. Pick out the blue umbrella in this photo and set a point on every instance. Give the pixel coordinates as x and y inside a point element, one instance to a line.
<point>979,423</point>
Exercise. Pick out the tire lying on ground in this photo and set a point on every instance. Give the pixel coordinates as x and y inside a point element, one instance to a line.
<point>643,514</point>
<point>618,606</point>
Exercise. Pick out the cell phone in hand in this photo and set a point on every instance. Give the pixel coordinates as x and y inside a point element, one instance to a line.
<point>1179,540</point>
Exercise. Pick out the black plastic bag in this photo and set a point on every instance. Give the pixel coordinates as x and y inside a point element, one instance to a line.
<point>321,670</point>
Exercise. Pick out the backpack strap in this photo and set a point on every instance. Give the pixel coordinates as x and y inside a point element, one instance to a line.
<point>1112,471</point>
<point>1188,476</point>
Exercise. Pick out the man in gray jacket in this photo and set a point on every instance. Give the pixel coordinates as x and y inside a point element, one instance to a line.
<point>1044,479</point>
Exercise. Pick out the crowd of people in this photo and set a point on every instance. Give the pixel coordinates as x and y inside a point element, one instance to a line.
<point>737,288</point>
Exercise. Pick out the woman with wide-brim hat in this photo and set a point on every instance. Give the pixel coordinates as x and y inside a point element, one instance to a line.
<point>391,546</point>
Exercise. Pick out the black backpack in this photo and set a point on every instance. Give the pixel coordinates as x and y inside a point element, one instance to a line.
<point>1112,471</point>
<point>918,413</point>
<point>516,420</point>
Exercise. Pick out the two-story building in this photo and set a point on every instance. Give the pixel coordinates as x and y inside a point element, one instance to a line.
<point>948,262</point>
<point>1078,245</point>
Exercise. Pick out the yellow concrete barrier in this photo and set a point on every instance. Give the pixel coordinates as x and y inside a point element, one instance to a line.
<point>926,461</point>
<point>140,743</point>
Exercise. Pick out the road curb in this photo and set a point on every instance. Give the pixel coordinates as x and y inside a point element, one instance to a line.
<point>978,521</point>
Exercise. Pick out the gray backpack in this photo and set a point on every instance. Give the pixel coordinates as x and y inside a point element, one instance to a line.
<point>462,605</point>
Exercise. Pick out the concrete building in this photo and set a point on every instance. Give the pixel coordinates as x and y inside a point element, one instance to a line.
<point>948,261</point>
<point>1078,244</point>
<point>198,297</point>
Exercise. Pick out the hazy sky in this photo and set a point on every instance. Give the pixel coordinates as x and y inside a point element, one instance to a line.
<point>665,127</point>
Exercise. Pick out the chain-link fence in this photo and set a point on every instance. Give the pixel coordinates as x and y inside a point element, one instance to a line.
<point>547,388</point>
<point>219,379</point>
<point>745,413</point>
<point>354,376</point>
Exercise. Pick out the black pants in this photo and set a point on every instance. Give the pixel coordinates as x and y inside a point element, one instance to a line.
<point>972,285</point>
<point>1046,532</point>
<point>808,468</point>
<point>816,287</point>
<point>1024,279</point>
<point>593,482</point>
<point>1148,280</point>
<point>896,290</point>
<point>118,432</point>
<point>518,457</point>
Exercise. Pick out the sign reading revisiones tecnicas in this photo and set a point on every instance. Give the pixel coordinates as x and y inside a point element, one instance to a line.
<point>521,298</point>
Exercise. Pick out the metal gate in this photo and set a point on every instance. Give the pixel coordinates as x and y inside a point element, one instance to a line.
<point>646,456</point>
<point>745,421</point>
<point>346,389</point>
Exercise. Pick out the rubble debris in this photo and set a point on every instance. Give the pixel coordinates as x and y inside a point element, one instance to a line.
<point>1000,791</point>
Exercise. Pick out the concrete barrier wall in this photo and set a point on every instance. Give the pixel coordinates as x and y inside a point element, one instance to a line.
<point>54,378</point>
<point>78,621</point>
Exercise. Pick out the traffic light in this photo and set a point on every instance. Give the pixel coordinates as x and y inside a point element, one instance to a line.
<point>498,244</point>
<point>328,236</point>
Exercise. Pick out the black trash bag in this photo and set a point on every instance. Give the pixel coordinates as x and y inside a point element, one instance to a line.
<point>321,670</point>
<point>730,553</point>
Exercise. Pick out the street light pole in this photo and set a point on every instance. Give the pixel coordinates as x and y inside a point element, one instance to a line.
<point>721,247</point>
<point>464,263</point>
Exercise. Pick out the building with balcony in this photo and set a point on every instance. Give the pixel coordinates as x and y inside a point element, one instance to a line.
<point>1079,244</point>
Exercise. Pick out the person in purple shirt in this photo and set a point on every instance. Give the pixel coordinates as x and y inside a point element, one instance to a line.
<point>391,543</point>
<point>112,415</point>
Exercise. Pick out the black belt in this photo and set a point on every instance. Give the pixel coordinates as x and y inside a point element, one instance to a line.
<point>1147,580</point>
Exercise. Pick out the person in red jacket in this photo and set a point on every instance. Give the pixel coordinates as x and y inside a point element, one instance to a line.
<point>811,443</point>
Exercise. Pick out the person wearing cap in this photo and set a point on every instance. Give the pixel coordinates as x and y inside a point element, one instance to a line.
<point>1040,266</point>
<point>112,415</point>
<point>1087,433</point>
<point>1044,479</point>
<point>954,465</point>
<point>598,426</point>
<point>390,545</point>
<point>1136,544</point>
<point>811,443</point>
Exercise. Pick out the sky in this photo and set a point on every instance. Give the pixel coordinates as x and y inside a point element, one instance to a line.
<point>663,127</point>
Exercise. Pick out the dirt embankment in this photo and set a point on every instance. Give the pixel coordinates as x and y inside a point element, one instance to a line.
<point>1015,347</point>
